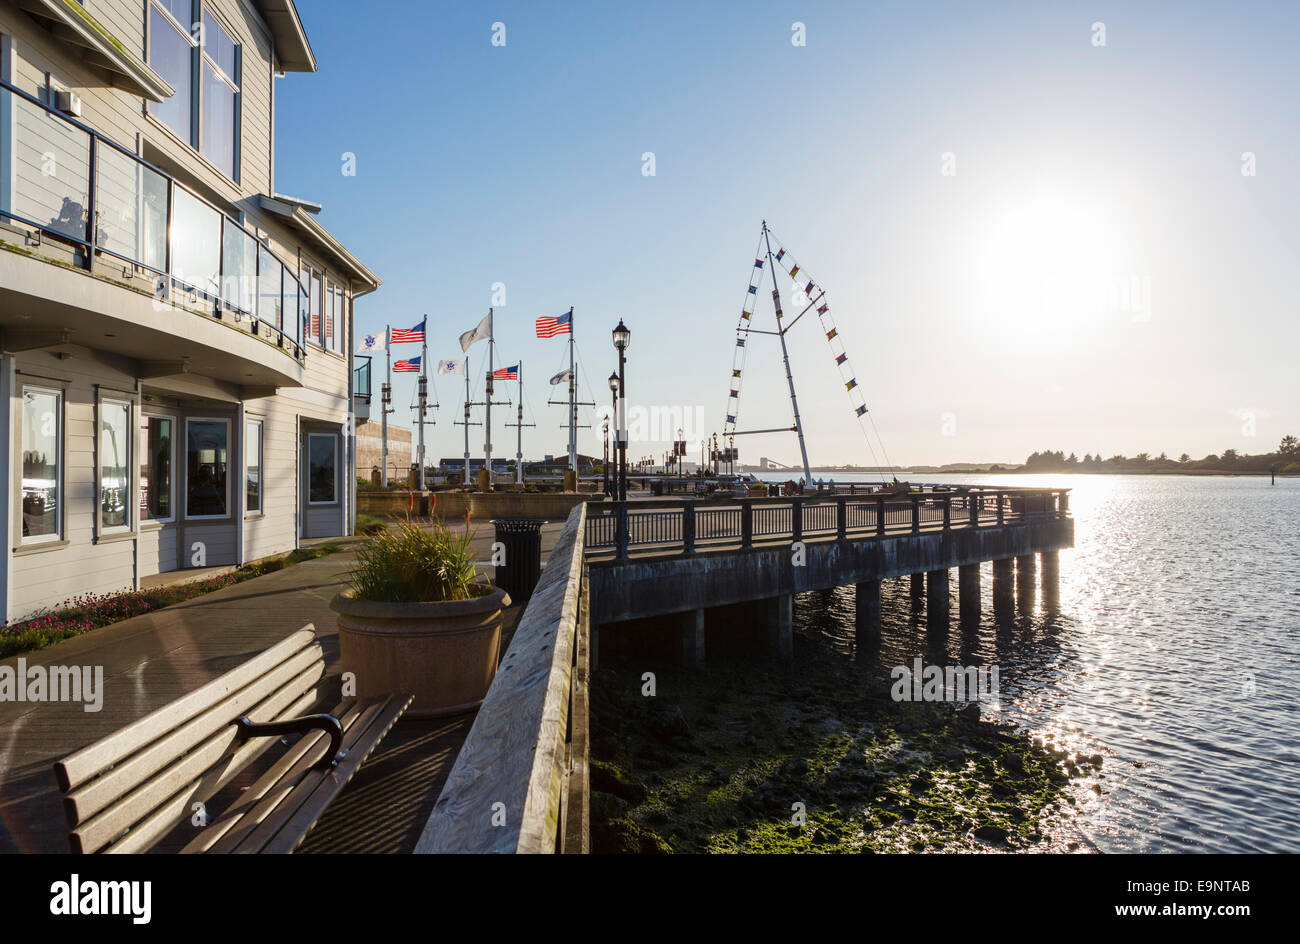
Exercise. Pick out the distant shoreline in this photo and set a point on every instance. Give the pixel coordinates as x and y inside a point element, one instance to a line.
<point>998,470</point>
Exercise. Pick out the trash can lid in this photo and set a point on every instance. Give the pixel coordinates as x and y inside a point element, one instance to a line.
<point>522,525</point>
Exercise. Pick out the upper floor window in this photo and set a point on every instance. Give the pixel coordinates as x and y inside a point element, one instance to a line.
<point>199,58</point>
<point>312,304</point>
<point>334,316</point>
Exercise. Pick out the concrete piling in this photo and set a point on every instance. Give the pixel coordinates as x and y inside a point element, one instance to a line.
<point>1026,582</point>
<point>968,594</point>
<point>1051,564</point>
<point>1004,594</point>
<point>937,600</point>
<point>868,614</point>
<point>691,639</point>
<point>780,627</point>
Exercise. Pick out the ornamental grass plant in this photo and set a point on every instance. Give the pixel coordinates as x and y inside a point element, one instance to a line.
<point>417,561</point>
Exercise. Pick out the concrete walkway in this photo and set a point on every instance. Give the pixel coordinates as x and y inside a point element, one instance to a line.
<point>153,659</point>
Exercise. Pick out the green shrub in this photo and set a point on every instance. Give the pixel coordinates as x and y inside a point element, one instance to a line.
<point>417,563</point>
<point>370,524</point>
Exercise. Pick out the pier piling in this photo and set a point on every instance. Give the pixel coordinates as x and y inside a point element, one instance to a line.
<point>691,639</point>
<point>1004,594</point>
<point>780,627</point>
<point>937,600</point>
<point>968,594</point>
<point>1026,582</point>
<point>1051,564</point>
<point>868,614</point>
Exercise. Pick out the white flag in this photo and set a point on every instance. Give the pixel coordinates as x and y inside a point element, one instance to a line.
<point>561,377</point>
<point>373,342</point>
<point>484,330</point>
<point>452,367</point>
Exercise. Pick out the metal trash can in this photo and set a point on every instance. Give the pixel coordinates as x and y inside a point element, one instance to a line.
<point>521,561</point>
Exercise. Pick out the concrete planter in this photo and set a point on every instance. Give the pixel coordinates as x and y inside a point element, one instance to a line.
<point>444,653</point>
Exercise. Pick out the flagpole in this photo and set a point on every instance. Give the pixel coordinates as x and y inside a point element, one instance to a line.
<point>519,446</point>
<point>573,402</point>
<point>424,389</point>
<point>384,396</point>
<point>467,418</point>
<point>487,400</point>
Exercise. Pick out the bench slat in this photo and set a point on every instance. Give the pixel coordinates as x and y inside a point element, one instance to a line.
<point>261,799</point>
<point>291,678</point>
<point>321,793</point>
<point>81,765</point>
<point>115,830</point>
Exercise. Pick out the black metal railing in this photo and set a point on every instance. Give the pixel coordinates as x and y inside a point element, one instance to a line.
<point>74,184</point>
<point>691,525</point>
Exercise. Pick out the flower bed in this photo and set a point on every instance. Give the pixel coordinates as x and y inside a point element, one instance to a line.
<point>81,614</point>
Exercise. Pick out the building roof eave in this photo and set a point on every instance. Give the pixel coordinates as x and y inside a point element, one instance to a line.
<point>293,213</point>
<point>292,49</point>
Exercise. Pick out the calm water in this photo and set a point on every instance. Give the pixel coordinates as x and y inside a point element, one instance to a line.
<point>1175,654</point>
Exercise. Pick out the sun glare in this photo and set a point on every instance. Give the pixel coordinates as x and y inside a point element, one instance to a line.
<point>1046,262</point>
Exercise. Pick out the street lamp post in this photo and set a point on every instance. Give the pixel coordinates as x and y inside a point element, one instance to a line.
<point>622,338</point>
<point>604,466</point>
<point>613,400</point>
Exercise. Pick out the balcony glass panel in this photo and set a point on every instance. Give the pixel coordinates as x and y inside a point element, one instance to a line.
<point>239,272</point>
<point>131,207</point>
<point>269,280</point>
<point>48,164</point>
<point>196,243</point>
<point>292,305</point>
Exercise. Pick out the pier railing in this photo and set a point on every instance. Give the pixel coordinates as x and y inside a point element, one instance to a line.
<point>690,525</point>
<point>520,782</point>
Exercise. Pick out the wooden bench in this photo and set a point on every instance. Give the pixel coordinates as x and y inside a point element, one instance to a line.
<point>130,789</point>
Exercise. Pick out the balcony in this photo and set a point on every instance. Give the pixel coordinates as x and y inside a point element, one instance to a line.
<point>361,388</point>
<point>83,202</point>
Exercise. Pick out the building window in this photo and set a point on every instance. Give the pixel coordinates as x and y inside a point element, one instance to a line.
<point>322,464</point>
<point>253,466</point>
<point>311,312</point>
<point>114,465</point>
<point>220,97</point>
<point>199,58</point>
<point>171,55</point>
<point>156,468</point>
<point>207,466</point>
<point>42,464</point>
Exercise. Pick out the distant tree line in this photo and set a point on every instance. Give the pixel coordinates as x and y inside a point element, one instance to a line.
<point>1286,458</point>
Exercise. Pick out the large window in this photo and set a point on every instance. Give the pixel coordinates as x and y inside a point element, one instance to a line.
<point>322,464</point>
<point>220,98</point>
<point>42,464</point>
<point>114,465</point>
<point>156,433</point>
<point>171,55</point>
<point>183,38</point>
<point>207,468</point>
<point>253,466</point>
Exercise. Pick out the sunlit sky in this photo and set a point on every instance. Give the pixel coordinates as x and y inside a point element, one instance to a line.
<point>1097,276</point>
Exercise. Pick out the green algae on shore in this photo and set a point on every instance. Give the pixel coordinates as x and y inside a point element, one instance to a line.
<point>808,758</point>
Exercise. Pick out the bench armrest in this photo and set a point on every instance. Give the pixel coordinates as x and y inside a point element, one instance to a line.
<point>322,722</point>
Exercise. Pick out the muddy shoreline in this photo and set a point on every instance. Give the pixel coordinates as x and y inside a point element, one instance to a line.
<point>810,756</point>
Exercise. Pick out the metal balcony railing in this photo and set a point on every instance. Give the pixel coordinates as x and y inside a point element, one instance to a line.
<point>76,185</point>
<point>361,380</point>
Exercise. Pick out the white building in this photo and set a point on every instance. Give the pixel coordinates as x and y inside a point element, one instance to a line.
<point>175,335</point>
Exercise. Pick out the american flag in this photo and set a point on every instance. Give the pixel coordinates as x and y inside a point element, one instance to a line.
<point>407,335</point>
<point>407,367</point>
<point>506,373</point>
<point>548,327</point>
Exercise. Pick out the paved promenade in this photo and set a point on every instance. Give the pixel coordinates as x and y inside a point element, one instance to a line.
<point>152,659</point>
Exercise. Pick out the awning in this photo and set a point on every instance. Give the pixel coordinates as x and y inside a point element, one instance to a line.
<point>70,23</point>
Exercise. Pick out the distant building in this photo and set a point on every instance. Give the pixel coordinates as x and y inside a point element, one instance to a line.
<point>370,447</point>
<point>554,465</point>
